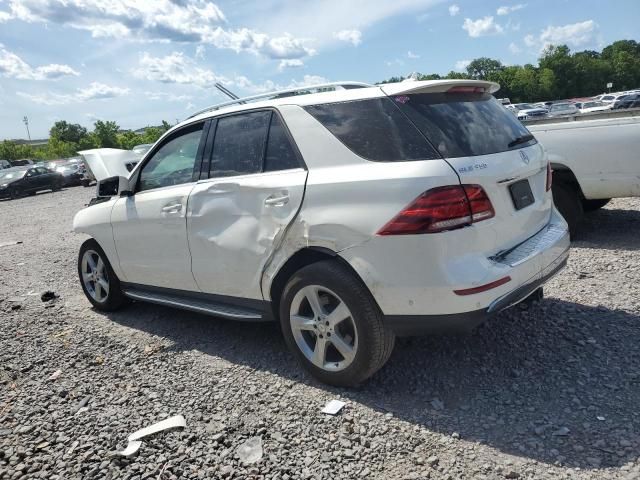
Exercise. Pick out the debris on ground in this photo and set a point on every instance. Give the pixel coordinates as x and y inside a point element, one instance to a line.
<point>135,438</point>
<point>55,374</point>
<point>48,295</point>
<point>250,451</point>
<point>333,407</point>
<point>8,244</point>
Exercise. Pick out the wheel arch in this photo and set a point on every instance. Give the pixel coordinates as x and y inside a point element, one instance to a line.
<point>563,174</point>
<point>300,259</point>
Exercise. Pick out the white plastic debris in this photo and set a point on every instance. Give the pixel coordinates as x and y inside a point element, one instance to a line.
<point>333,407</point>
<point>251,450</point>
<point>600,418</point>
<point>135,438</point>
<point>55,374</point>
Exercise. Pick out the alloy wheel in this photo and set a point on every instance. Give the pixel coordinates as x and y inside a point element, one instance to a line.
<point>323,328</point>
<point>94,276</point>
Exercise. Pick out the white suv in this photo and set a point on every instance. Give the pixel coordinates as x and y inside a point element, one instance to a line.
<point>351,216</point>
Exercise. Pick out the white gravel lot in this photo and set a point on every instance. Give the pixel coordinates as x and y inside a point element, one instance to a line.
<point>548,392</point>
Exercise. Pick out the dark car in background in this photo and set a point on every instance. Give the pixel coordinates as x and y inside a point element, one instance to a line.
<point>18,181</point>
<point>4,164</point>
<point>71,172</point>
<point>627,101</point>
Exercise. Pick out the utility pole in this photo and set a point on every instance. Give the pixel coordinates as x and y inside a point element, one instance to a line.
<point>26,124</point>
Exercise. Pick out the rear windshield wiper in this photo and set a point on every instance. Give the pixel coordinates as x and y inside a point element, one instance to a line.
<point>523,139</point>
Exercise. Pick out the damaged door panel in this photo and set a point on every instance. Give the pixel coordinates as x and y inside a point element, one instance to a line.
<point>236,224</point>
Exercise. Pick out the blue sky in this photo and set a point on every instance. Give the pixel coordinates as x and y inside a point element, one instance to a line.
<point>138,62</point>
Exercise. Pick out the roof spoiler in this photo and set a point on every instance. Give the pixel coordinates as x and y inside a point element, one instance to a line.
<point>435,86</point>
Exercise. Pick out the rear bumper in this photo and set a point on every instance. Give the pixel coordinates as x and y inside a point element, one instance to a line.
<point>410,325</point>
<point>417,292</point>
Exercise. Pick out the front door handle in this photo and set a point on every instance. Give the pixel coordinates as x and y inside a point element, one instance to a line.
<point>277,201</point>
<point>172,208</point>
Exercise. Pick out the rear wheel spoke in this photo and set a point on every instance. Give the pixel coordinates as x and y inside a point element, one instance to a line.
<point>340,313</point>
<point>319,352</point>
<point>299,322</point>
<point>346,350</point>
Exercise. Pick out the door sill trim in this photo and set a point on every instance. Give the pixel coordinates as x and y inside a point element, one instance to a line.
<point>195,305</point>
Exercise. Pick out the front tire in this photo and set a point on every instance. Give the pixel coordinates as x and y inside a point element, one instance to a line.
<point>567,200</point>
<point>99,282</point>
<point>333,325</point>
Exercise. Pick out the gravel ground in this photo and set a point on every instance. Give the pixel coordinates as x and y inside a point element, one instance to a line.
<point>547,392</point>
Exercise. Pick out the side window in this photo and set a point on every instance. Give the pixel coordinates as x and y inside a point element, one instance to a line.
<point>374,129</point>
<point>32,172</point>
<point>239,144</point>
<point>42,170</point>
<point>173,163</point>
<point>280,152</point>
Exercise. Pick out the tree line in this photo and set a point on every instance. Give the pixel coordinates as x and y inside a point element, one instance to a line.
<point>67,139</point>
<point>560,74</point>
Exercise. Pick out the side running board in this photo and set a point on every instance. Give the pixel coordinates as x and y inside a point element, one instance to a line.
<point>198,305</point>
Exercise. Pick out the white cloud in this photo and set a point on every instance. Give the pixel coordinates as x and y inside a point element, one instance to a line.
<point>95,91</point>
<point>575,34</point>
<point>530,40</point>
<point>166,96</point>
<point>200,50</point>
<point>12,66</point>
<point>454,10</point>
<point>290,63</point>
<point>513,48</point>
<point>175,68</point>
<point>481,27</point>
<point>351,36</point>
<point>509,9</point>
<point>412,55</point>
<point>462,65</point>
<point>186,21</point>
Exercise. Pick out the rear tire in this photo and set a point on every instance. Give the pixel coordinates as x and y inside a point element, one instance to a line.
<point>99,282</point>
<point>567,200</point>
<point>325,308</point>
<point>593,205</point>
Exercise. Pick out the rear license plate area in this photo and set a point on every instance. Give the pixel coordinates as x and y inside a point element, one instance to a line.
<point>521,194</point>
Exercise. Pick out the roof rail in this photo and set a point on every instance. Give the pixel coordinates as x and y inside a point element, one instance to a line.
<point>289,92</point>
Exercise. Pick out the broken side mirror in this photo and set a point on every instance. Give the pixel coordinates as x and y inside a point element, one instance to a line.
<point>112,186</point>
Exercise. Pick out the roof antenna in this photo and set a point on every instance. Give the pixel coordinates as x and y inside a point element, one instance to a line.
<point>226,91</point>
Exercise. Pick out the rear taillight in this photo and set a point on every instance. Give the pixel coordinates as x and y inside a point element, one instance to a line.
<point>467,89</point>
<point>440,209</point>
<point>549,176</point>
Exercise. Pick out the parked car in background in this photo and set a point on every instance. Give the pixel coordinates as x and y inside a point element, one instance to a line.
<point>627,101</point>
<point>71,172</point>
<point>527,110</point>
<point>562,109</point>
<point>18,181</point>
<point>22,162</point>
<point>263,209</point>
<point>4,164</point>
<point>593,160</point>
<point>593,106</point>
<point>609,98</point>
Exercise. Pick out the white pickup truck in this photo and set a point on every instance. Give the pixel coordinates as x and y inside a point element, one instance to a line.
<point>594,157</point>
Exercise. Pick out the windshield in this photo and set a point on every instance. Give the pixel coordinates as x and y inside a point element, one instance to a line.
<point>561,106</point>
<point>462,125</point>
<point>12,175</point>
<point>525,106</point>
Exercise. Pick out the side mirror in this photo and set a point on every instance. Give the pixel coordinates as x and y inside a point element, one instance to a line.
<point>112,186</point>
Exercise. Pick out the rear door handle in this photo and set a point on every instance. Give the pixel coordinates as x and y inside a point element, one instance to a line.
<point>172,208</point>
<point>277,201</point>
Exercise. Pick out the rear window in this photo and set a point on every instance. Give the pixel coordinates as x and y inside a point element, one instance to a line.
<point>374,129</point>
<point>463,125</point>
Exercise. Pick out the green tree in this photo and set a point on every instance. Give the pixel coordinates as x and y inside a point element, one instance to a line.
<point>484,68</point>
<point>67,132</point>
<point>106,133</point>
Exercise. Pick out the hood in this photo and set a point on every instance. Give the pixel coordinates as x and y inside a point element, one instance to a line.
<point>109,162</point>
